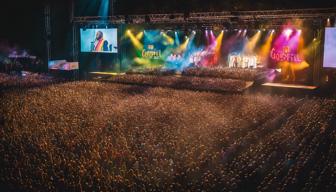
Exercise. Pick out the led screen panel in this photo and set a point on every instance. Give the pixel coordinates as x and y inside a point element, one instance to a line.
<point>329,60</point>
<point>99,40</point>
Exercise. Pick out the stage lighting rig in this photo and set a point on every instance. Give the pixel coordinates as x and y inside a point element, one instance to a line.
<point>274,17</point>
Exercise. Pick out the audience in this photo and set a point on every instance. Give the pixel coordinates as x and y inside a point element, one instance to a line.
<point>94,136</point>
<point>194,83</point>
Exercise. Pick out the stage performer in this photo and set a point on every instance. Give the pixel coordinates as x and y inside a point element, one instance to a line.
<point>100,44</point>
<point>235,62</point>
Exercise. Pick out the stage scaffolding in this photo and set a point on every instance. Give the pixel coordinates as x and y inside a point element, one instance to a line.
<point>213,17</point>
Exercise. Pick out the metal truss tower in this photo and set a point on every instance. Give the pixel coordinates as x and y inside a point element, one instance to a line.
<point>48,32</point>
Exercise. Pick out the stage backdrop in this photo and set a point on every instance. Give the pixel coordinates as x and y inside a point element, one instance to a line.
<point>171,49</point>
<point>289,51</point>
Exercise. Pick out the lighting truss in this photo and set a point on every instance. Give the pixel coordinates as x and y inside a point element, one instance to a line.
<point>215,17</point>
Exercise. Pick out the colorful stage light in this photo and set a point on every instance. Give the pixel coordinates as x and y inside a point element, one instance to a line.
<point>288,69</point>
<point>218,47</point>
<point>169,39</point>
<point>219,41</point>
<point>207,37</point>
<point>139,35</point>
<point>137,44</point>
<point>184,45</point>
<point>245,33</point>
<point>296,41</point>
<point>311,48</point>
<point>177,39</point>
<point>212,38</point>
<point>266,48</point>
<point>251,44</point>
<point>288,32</point>
<point>104,8</point>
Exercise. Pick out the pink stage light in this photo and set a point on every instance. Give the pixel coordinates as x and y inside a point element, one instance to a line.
<point>288,32</point>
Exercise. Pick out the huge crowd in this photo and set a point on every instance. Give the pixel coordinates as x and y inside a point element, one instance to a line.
<point>215,72</point>
<point>183,82</point>
<point>25,80</point>
<point>222,79</point>
<point>94,136</point>
<point>226,73</point>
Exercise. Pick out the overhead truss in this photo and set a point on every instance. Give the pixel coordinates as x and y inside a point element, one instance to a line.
<point>213,17</point>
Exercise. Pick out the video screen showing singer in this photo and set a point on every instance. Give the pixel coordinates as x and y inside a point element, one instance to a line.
<point>99,40</point>
<point>100,44</point>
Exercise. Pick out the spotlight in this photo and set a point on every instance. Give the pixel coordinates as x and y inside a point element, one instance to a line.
<point>328,22</point>
<point>194,32</point>
<point>288,32</point>
<point>299,31</point>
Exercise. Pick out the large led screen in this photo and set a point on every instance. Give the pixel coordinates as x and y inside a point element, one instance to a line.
<point>99,40</point>
<point>329,60</point>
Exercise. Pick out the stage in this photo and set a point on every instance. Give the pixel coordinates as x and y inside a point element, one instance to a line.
<point>291,86</point>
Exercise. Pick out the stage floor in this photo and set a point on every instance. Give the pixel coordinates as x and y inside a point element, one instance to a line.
<point>106,73</point>
<point>292,86</point>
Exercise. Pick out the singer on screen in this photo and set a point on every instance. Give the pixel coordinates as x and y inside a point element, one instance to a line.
<point>100,44</point>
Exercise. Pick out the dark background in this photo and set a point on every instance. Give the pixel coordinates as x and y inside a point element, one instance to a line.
<point>22,22</point>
